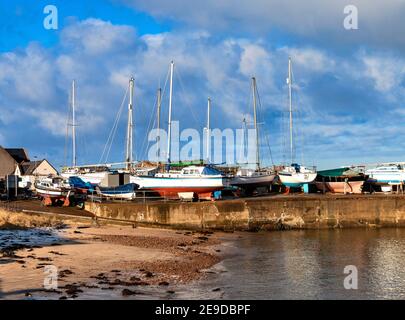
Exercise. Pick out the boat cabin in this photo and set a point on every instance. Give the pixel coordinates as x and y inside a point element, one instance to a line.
<point>200,171</point>
<point>192,171</point>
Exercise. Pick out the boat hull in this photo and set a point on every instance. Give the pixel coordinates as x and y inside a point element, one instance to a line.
<point>387,179</point>
<point>202,192</point>
<point>171,187</point>
<point>252,182</point>
<point>354,187</point>
<point>123,196</point>
<point>296,180</point>
<point>386,175</point>
<point>53,193</point>
<point>125,192</point>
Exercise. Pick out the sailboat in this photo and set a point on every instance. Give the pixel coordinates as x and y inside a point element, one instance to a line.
<point>246,178</point>
<point>294,175</point>
<point>93,174</point>
<point>89,174</point>
<point>200,181</point>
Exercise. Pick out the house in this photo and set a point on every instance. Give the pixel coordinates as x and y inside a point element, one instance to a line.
<point>8,161</point>
<point>31,170</point>
<point>15,161</point>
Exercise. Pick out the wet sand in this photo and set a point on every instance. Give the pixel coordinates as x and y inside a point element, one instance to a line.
<point>119,261</point>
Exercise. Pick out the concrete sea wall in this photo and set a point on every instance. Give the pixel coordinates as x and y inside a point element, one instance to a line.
<point>269,213</point>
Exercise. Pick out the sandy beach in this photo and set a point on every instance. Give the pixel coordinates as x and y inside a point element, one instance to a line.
<point>119,261</point>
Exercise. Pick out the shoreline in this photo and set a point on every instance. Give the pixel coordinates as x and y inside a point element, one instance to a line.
<point>125,262</point>
<point>115,261</point>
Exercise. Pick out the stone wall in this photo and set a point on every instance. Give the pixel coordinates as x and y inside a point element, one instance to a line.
<point>270,213</point>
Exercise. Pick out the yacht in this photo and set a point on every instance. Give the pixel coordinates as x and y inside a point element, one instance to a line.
<point>250,179</point>
<point>199,180</point>
<point>390,174</point>
<point>294,175</point>
<point>196,180</point>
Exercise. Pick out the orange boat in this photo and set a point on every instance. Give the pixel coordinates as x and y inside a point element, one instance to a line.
<point>354,187</point>
<point>341,180</point>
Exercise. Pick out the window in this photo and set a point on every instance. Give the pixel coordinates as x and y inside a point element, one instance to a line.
<point>211,171</point>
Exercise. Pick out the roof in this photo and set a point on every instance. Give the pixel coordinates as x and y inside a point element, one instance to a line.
<point>18,154</point>
<point>28,168</point>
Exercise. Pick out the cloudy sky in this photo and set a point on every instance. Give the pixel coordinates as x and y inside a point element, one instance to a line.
<point>348,90</point>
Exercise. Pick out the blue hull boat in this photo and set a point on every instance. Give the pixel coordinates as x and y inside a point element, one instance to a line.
<point>127,191</point>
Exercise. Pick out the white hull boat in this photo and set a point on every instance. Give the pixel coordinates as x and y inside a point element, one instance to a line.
<point>247,178</point>
<point>198,180</point>
<point>252,179</point>
<point>53,188</point>
<point>296,176</point>
<point>393,174</point>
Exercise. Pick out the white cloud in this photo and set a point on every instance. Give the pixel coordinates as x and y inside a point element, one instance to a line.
<point>96,36</point>
<point>310,59</point>
<point>29,73</point>
<point>253,58</point>
<point>386,72</point>
<point>54,122</point>
<point>35,82</point>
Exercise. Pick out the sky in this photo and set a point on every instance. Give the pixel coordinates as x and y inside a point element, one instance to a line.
<point>348,84</point>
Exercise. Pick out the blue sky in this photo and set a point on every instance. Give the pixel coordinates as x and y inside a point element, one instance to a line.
<point>349,85</point>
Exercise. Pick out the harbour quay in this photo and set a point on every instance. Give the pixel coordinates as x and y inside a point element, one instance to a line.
<point>280,212</point>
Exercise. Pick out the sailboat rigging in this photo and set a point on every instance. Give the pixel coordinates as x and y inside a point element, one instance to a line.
<point>250,179</point>
<point>95,174</point>
<point>294,175</point>
<point>200,181</point>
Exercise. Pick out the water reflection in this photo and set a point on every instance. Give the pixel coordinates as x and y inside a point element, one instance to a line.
<point>387,272</point>
<point>290,265</point>
<point>310,264</point>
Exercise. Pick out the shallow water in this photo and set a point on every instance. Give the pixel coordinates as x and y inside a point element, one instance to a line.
<point>30,237</point>
<point>280,265</point>
<point>309,265</point>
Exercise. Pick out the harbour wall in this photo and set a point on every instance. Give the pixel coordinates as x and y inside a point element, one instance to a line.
<point>269,213</point>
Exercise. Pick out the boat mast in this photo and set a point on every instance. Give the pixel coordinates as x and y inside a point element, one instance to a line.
<point>169,133</point>
<point>129,149</point>
<point>159,106</point>
<point>245,137</point>
<point>255,121</point>
<point>289,80</point>
<point>74,157</point>
<point>208,130</point>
